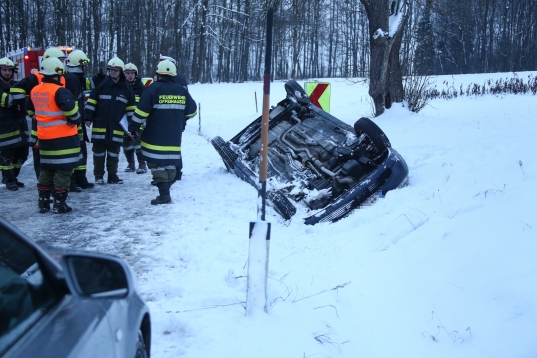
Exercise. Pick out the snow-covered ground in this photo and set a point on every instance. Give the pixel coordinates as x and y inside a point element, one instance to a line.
<point>442,268</point>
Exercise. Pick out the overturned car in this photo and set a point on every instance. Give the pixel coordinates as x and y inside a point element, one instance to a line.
<point>314,159</point>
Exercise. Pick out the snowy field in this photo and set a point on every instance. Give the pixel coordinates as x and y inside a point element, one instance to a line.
<point>442,268</point>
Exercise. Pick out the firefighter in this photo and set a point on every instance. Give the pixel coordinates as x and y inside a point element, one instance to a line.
<point>163,109</point>
<point>98,79</point>
<point>76,83</point>
<point>131,144</point>
<point>106,106</point>
<point>22,89</point>
<point>57,117</point>
<point>13,129</point>
<point>180,80</point>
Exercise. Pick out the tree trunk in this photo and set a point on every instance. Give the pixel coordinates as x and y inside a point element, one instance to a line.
<point>385,66</point>
<point>395,91</point>
<point>201,55</point>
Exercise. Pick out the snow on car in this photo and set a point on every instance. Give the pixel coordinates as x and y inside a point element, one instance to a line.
<point>315,159</point>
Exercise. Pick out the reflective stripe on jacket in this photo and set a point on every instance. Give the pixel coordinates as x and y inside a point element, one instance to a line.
<point>13,126</point>
<point>164,108</point>
<point>105,107</point>
<point>51,120</point>
<point>60,153</point>
<point>59,144</point>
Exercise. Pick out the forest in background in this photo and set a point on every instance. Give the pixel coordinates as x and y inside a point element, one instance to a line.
<point>223,40</point>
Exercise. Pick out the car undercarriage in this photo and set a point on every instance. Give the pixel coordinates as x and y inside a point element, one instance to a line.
<point>315,159</point>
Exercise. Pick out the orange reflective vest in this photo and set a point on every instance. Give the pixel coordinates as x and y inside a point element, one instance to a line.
<point>51,121</point>
<point>40,77</point>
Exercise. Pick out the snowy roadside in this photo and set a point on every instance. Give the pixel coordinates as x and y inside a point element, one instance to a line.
<point>443,268</point>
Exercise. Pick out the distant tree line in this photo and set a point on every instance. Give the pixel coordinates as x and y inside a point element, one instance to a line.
<point>223,40</point>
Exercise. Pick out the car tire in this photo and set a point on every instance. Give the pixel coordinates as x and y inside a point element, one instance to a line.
<point>295,90</point>
<point>222,147</point>
<point>141,351</point>
<point>281,204</point>
<point>377,136</point>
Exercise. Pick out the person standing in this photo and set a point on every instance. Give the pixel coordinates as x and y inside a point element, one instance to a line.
<point>57,117</point>
<point>180,80</point>
<point>106,106</point>
<point>131,144</point>
<point>163,108</point>
<point>13,129</point>
<point>76,83</point>
<point>21,90</point>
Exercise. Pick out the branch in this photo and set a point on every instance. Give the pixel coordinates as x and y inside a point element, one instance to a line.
<point>332,289</point>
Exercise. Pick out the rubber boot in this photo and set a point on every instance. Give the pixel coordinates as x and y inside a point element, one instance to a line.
<point>8,178</point>
<point>81,179</point>
<point>130,159</point>
<point>74,188</point>
<point>16,172</point>
<point>60,206</point>
<point>164,197</point>
<point>142,168</point>
<point>114,179</point>
<point>44,198</point>
<point>131,168</point>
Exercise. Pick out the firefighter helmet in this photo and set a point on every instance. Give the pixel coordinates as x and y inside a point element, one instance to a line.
<point>52,66</point>
<point>116,63</point>
<point>163,58</point>
<point>7,63</point>
<point>77,58</point>
<point>53,52</point>
<point>166,68</point>
<point>131,67</point>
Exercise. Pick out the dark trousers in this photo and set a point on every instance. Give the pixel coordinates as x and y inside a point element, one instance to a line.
<point>105,153</point>
<point>131,146</point>
<point>60,178</point>
<point>162,173</point>
<point>179,168</point>
<point>79,174</point>
<point>11,160</point>
<point>37,161</point>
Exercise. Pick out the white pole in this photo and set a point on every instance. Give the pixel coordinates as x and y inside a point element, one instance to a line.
<point>258,260</point>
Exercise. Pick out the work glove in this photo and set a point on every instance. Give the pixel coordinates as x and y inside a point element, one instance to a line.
<point>84,62</point>
<point>73,122</point>
<point>133,130</point>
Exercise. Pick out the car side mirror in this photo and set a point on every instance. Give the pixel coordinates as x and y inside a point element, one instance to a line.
<point>96,276</point>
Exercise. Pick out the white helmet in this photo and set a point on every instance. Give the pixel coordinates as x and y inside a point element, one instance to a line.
<point>7,63</point>
<point>116,63</point>
<point>52,66</point>
<point>77,58</point>
<point>163,58</point>
<point>131,67</point>
<point>166,68</point>
<point>54,52</point>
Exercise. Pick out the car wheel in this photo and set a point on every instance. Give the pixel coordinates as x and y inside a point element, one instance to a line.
<point>295,90</point>
<point>368,127</point>
<point>222,147</point>
<point>141,352</point>
<point>281,204</point>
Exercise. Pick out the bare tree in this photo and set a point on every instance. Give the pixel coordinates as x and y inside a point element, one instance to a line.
<point>387,19</point>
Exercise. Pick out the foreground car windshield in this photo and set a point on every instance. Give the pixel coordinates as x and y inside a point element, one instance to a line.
<point>25,295</point>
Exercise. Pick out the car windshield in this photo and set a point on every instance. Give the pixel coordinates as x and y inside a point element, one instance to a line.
<point>25,294</point>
